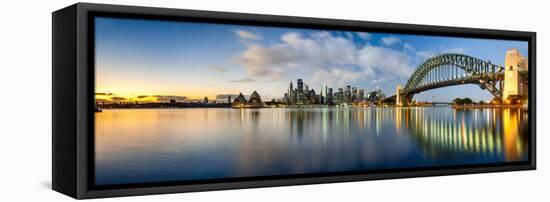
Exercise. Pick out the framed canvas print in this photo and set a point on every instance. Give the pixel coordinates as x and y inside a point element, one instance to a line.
<point>154,100</point>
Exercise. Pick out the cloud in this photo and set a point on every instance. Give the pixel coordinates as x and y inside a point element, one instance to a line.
<point>248,35</point>
<point>390,41</point>
<point>139,98</point>
<point>104,94</point>
<point>296,52</point>
<point>408,47</point>
<point>386,60</point>
<point>348,35</point>
<point>243,80</point>
<point>219,69</point>
<point>425,54</point>
<point>118,98</point>
<point>340,76</point>
<point>225,96</point>
<point>364,35</point>
<point>324,58</point>
<point>102,100</point>
<point>454,50</point>
<point>164,98</point>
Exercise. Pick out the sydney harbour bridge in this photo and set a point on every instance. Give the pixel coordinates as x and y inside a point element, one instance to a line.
<point>505,83</point>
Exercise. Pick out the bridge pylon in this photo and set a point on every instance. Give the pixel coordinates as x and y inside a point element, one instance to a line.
<point>398,96</point>
<point>514,89</point>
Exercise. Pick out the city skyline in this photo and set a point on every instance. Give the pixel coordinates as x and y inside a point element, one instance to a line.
<point>151,60</point>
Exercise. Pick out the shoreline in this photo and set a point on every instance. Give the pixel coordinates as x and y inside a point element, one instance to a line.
<point>487,106</point>
<point>336,107</point>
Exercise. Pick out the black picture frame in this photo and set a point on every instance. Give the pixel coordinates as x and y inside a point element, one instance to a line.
<point>73,99</point>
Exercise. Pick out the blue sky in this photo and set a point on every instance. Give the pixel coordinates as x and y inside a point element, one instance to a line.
<point>140,58</point>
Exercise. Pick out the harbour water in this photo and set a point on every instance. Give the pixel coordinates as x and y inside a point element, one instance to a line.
<point>158,145</point>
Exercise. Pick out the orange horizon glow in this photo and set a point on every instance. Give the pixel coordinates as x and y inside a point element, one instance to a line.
<point>150,97</point>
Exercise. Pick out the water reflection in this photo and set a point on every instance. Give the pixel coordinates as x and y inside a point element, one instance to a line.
<point>479,132</point>
<point>185,144</point>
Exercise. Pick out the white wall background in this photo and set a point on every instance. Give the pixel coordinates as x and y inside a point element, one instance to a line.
<point>25,99</point>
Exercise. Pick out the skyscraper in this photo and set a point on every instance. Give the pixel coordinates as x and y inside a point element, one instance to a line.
<point>340,97</point>
<point>330,98</point>
<point>291,96</point>
<point>324,89</point>
<point>300,95</point>
<point>311,97</point>
<point>347,94</point>
<point>354,95</point>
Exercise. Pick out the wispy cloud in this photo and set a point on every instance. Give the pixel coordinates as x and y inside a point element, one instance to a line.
<point>104,94</point>
<point>425,54</point>
<point>165,98</point>
<point>248,35</point>
<point>408,47</point>
<point>108,97</point>
<point>243,80</point>
<point>225,96</point>
<point>219,69</point>
<point>364,35</point>
<point>390,41</point>
<point>117,98</point>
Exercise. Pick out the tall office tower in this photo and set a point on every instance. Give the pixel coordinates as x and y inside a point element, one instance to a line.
<point>290,95</point>
<point>311,96</point>
<point>361,95</point>
<point>347,94</point>
<point>340,95</point>
<point>329,96</point>
<point>306,96</point>
<point>324,90</point>
<point>322,95</point>
<point>354,94</point>
<point>300,95</point>
<point>229,99</point>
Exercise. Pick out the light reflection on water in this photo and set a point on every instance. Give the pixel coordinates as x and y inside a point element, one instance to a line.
<point>154,145</point>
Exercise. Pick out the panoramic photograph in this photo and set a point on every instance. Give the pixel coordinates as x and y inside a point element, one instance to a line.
<point>183,101</point>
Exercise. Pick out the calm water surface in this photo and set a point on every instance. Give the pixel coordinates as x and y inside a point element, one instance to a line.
<point>156,145</point>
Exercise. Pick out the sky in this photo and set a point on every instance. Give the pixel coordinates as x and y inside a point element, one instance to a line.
<point>154,60</point>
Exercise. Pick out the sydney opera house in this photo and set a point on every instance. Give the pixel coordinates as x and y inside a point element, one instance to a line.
<point>255,101</point>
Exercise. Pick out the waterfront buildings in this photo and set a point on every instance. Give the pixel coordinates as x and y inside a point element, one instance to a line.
<point>303,95</point>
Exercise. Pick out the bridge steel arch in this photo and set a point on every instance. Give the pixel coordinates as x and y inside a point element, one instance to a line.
<point>453,69</point>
